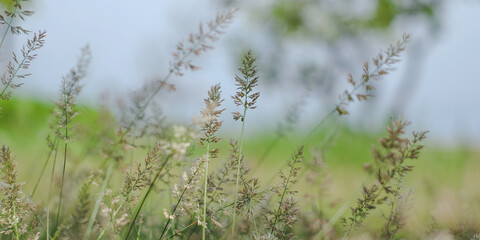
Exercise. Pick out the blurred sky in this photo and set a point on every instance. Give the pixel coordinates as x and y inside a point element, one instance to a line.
<point>132,43</point>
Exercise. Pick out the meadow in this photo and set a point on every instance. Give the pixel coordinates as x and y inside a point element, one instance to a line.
<point>71,171</point>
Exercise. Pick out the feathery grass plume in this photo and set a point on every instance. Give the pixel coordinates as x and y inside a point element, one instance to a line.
<point>245,84</point>
<point>391,169</point>
<point>246,98</point>
<point>71,88</point>
<point>14,12</point>
<point>211,125</point>
<point>14,67</point>
<point>285,216</point>
<point>16,213</point>
<point>197,44</point>
<point>66,105</point>
<point>250,201</point>
<point>370,200</point>
<point>383,64</point>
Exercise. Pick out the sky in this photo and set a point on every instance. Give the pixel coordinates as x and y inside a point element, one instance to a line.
<point>132,44</point>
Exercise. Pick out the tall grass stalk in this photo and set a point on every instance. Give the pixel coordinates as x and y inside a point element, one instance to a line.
<point>65,113</point>
<point>210,125</point>
<point>50,188</point>
<point>247,99</point>
<point>63,173</point>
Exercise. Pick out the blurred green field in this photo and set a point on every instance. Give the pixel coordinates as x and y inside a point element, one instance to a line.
<point>445,181</point>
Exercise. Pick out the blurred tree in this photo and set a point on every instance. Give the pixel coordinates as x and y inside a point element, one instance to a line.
<point>336,36</point>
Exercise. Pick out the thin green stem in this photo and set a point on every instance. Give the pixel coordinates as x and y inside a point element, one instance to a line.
<point>205,189</point>
<point>240,156</point>
<point>292,169</point>
<point>64,161</point>
<point>43,169</point>
<point>265,153</point>
<point>50,189</point>
<point>98,202</point>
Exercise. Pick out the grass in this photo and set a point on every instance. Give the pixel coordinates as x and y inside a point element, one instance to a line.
<point>137,176</point>
<point>451,171</point>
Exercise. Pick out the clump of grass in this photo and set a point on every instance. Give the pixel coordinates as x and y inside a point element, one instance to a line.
<point>16,212</point>
<point>285,215</point>
<point>391,169</point>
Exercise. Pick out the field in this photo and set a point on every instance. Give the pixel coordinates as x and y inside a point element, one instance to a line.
<point>128,171</point>
<point>444,196</point>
